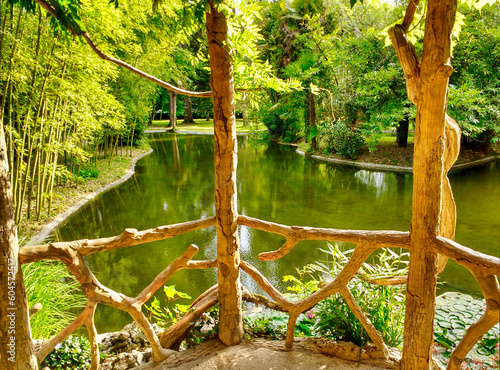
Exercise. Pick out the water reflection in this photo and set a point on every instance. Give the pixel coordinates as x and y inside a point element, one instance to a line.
<point>374,179</point>
<point>175,184</point>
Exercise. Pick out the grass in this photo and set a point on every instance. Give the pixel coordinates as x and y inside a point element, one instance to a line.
<point>203,125</point>
<point>51,284</point>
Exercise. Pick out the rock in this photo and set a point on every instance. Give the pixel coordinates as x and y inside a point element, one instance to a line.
<point>128,339</point>
<point>125,360</point>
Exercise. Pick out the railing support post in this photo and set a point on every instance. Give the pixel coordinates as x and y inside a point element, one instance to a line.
<point>225,160</point>
<point>428,171</point>
<point>16,347</point>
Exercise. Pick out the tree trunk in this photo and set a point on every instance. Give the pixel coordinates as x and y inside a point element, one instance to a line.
<point>172,104</point>
<point>427,183</point>
<point>312,119</point>
<point>225,153</point>
<point>188,110</point>
<point>402,132</point>
<point>15,336</point>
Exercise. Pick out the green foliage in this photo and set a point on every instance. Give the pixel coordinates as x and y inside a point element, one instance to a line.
<point>384,305</point>
<point>273,325</point>
<point>72,353</point>
<point>474,95</point>
<point>206,328</point>
<point>270,325</point>
<point>52,285</point>
<point>455,312</point>
<point>283,120</point>
<point>166,315</point>
<point>343,140</point>
<point>87,173</point>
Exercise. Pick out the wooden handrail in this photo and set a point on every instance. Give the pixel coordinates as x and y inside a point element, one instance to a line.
<point>483,267</point>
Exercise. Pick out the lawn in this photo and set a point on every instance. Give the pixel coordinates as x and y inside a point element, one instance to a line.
<point>203,125</point>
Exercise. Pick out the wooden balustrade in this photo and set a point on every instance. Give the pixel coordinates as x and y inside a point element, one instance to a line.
<point>484,267</point>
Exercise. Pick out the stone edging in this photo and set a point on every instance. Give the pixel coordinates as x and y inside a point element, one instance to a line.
<point>49,228</point>
<point>386,167</point>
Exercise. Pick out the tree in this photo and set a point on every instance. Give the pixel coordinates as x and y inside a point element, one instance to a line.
<point>436,149</point>
<point>15,337</point>
<point>475,83</point>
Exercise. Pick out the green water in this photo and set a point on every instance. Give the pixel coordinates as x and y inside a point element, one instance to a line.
<point>175,184</point>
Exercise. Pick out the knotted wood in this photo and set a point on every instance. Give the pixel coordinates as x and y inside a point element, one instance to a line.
<point>429,188</point>
<point>225,162</point>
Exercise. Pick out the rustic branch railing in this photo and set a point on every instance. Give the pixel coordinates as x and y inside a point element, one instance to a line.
<point>485,268</point>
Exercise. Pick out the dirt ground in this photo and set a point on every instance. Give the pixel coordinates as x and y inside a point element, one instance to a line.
<point>257,354</point>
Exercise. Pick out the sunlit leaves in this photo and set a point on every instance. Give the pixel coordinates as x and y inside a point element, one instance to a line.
<point>168,314</point>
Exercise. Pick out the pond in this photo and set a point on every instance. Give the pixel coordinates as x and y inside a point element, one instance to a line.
<point>175,184</point>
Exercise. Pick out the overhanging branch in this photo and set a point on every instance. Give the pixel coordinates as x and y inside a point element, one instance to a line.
<point>58,14</point>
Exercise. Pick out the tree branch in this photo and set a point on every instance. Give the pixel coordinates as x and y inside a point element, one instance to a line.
<point>58,14</point>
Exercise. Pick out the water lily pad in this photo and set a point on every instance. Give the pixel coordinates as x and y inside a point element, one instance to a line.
<point>467,315</point>
<point>452,337</point>
<point>459,307</point>
<point>457,324</point>
<point>444,324</point>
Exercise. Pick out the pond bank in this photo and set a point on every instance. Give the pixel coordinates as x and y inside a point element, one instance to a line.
<point>392,168</point>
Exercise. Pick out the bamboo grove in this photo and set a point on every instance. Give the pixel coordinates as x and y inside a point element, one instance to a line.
<point>61,107</point>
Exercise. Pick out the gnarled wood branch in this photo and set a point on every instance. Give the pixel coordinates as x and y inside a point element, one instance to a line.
<point>384,281</point>
<point>476,262</point>
<point>96,292</point>
<point>380,239</point>
<point>128,238</point>
<point>121,63</point>
<point>93,337</point>
<point>409,60</point>
<point>175,334</point>
<point>491,291</point>
<point>35,309</point>
<point>365,321</point>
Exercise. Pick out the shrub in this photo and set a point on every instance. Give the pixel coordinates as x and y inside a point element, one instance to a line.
<point>72,353</point>
<point>283,121</point>
<point>384,305</point>
<point>343,140</point>
<point>88,173</point>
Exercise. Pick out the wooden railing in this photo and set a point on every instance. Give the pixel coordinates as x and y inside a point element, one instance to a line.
<point>485,268</point>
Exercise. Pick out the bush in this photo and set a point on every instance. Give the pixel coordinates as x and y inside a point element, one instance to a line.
<point>384,305</point>
<point>273,325</point>
<point>168,314</point>
<point>343,140</point>
<point>88,173</point>
<point>72,353</point>
<point>283,121</point>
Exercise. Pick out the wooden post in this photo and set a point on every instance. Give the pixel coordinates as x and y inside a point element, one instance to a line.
<point>225,159</point>
<point>428,171</point>
<point>15,336</point>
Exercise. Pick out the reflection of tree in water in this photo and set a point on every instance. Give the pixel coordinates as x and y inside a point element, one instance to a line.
<point>378,180</point>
